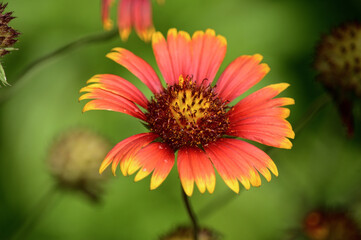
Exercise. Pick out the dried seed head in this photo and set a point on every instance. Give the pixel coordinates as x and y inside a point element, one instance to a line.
<point>338,63</point>
<point>8,35</point>
<point>338,60</point>
<point>74,160</point>
<point>185,114</point>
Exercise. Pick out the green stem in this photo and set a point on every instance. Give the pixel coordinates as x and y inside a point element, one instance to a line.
<point>191,214</point>
<point>316,106</point>
<point>228,196</point>
<point>36,214</point>
<point>21,79</point>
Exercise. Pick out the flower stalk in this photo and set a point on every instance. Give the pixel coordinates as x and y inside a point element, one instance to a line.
<point>191,214</point>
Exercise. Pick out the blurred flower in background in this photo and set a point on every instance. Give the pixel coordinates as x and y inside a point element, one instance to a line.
<point>331,224</point>
<point>74,160</point>
<point>192,117</point>
<point>186,233</point>
<point>131,13</point>
<point>8,37</point>
<point>338,63</point>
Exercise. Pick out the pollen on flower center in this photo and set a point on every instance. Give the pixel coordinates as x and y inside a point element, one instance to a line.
<point>185,114</point>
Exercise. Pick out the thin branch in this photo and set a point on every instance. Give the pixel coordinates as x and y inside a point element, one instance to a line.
<point>191,214</point>
<point>228,196</point>
<point>316,106</point>
<point>21,79</point>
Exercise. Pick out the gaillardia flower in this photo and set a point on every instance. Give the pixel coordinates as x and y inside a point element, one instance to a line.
<point>137,13</point>
<point>191,117</point>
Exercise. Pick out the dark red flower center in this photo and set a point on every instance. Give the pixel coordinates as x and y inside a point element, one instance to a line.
<point>185,114</point>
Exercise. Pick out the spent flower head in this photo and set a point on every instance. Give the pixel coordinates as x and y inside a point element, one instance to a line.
<point>74,160</point>
<point>338,66</point>
<point>338,59</point>
<point>191,117</point>
<point>8,37</point>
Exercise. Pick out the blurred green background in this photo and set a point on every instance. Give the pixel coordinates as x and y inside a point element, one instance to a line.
<point>322,168</point>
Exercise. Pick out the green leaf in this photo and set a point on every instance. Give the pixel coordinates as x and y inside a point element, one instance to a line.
<point>3,76</point>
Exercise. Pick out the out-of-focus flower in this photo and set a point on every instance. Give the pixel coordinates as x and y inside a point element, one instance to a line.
<point>321,224</point>
<point>338,63</point>
<point>186,233</point>
<point>131,13</point>
<point>193,118</point>
<point>8,37</point>
<point>74,160</point>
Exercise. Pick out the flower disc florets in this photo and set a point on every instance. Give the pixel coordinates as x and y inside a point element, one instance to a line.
<point>186,114</point>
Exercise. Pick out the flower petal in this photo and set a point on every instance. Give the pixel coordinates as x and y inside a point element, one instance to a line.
<point>107,23</point>
<point>127,147</point>
<point>118,86</point>
<point>105,100</point>
<point>234,158</point>
<point>195,166</point>
<point>156,156</point>
<point>261,100</point>
<point>185,171</point>
<point>259,118</point>
<point>226,167</point>
<point>240,75</point>
<point>142,17</point>
<point>125,18</point>
<point>254,156</point>
<point>140,68</point>
<point>203,170</point>
<point>208,53</point>
<point>174,55</point>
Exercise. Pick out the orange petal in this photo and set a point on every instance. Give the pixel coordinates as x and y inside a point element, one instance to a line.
<point>208,52</point>
<point>240,75</point>
<point>140,68</point>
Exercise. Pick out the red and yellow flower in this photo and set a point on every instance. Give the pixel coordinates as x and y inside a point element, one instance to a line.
<point>131,13</point>
<point>192,118</point>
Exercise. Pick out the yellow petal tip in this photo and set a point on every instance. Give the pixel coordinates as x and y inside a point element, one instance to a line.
<point>157,37</point>
<point>222,39</point>
<point>172,31</point>
<point>258,57</point>
<point>211,32</point>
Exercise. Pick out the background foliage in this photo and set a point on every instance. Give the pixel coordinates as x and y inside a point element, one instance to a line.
<point>322,168</point>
